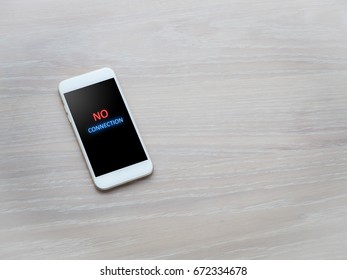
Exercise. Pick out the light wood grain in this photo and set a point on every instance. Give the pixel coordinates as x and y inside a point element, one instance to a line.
<point>242,105</point>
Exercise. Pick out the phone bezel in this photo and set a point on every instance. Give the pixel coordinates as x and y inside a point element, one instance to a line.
<point>116,177</point>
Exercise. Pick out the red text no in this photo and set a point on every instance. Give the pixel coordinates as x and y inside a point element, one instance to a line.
<point>103,114</point>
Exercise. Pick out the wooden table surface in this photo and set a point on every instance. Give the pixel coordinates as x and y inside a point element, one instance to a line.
<point>242,106</point>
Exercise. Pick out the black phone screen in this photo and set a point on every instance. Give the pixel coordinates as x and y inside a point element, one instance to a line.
<point>105,127</point>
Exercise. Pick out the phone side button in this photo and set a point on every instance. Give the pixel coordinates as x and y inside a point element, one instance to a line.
<point>68,116</point>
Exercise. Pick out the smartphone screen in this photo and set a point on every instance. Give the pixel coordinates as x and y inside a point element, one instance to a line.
<point>105,127</point>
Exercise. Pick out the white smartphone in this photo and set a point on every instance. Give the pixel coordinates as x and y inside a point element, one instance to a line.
<point>105,129</point>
